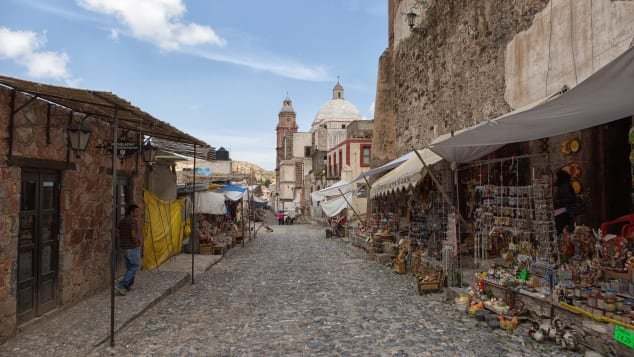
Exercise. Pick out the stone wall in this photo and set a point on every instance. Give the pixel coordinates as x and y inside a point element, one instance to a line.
<point>480,59</point>
<point>85,201</point>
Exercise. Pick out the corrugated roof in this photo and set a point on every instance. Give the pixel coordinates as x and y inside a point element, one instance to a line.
<point>103,105</point>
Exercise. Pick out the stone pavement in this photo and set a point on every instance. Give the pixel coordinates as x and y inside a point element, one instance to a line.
<point>293,292</point>
<point>77,330</point>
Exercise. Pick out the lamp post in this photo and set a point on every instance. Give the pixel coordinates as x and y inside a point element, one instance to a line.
<point>411,22</point>
<point>78,136</point>
<point>149,152</point>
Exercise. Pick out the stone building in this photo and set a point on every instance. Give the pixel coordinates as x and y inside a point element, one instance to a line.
<point>329,130</point>
<point>466,62</point>
<point>56,204</point>
<point>287,124</point>
<point>301,156</point>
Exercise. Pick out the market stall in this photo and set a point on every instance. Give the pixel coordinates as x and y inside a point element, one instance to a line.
<point>552,224</point>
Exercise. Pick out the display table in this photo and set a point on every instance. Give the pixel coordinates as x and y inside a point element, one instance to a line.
<point>597,331</point>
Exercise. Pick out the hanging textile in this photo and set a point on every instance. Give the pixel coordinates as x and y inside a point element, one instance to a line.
<point>163,230</point>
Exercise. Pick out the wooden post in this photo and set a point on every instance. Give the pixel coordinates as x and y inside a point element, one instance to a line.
<point>440,188</point>
<point>349,205</point>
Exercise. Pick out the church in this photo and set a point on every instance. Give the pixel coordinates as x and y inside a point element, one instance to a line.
<point>336,147</point>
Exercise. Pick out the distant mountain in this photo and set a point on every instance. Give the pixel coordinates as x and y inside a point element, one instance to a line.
<point>247,168</point>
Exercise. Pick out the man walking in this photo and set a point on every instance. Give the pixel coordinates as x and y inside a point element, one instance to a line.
<point>130,240</point>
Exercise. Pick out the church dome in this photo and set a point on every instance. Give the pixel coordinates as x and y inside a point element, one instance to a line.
<point>336,109</point>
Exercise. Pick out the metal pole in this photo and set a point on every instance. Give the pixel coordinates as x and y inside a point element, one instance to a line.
<point>458,223</point>
<point>440,188</point>
<point>113,243</point>
<point>194,230</point>
<point>350,205</point>
<point>368,206</point>
<point>243,222</point>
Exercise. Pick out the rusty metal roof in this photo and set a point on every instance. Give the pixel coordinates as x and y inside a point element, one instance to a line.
<point>103,105</point>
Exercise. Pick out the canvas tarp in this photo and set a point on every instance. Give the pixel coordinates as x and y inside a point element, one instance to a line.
<point>388,166</point>
<point>603,97</point>
<point>163,230</point>
<point>331,190</point>
<point>406,175</point>
<point>210,203</point>
<point>333,206</point>
<point>234,195</point>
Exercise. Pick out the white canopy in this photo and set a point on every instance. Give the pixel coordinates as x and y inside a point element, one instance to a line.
<point>390,165</point>
<point>235,195</point>
<point>332,207</point>
<point>405,176</point>
<point>210,203</point>
<point>605,96</point>
<point>332,190</point>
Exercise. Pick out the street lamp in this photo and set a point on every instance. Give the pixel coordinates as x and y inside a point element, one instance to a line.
<point>149,153</point>
<point>411,22</point>
<point>78,136</point>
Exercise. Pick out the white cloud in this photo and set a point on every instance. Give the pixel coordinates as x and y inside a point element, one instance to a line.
<point>371,108</point>
<point>48,64</point>
<point>278,66</point>
<point>114,34</point>
<point>25,49</point>
<point>156,21</point>
<point>14,44</point>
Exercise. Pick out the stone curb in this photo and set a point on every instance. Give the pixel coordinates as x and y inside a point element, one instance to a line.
<point>176,286</point>
<point>179,284</point>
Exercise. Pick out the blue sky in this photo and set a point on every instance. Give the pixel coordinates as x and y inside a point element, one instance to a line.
<point>217,69</point>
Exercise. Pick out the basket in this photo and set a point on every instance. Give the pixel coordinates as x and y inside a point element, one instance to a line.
<point>206,248</point>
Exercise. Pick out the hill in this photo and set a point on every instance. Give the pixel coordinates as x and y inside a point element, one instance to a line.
<point>246,168</point>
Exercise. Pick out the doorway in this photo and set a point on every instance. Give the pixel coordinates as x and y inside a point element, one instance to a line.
<point>38,244</point>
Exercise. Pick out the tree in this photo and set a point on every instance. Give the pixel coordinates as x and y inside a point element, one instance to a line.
<point>267,182</point>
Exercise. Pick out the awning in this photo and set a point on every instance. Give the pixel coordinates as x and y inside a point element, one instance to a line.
<point>381,169</point>
<point>332,190</point>
<point>233,188</point>
<point>103,105</point>
<point>605,96</point>
<point>210,203</point>
<point>332,207</point>
<point>405,176</point>
<point>234,195</point>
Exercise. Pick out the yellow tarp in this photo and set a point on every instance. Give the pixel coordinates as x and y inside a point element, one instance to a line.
<point>163,231</point>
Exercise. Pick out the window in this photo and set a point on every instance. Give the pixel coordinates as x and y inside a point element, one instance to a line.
<point>343,126</point>
<point>365,155</point>
<point>306,151</point>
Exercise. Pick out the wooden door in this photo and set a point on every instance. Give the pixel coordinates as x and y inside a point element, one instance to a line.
<point>38,254</point>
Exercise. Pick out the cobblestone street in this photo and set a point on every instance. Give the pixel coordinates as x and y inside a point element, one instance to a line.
<point>293,292</point>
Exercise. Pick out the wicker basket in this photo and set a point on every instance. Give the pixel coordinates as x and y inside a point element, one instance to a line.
<point>206,248</point>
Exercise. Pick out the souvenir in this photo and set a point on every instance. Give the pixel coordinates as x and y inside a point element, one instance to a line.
<point>567,169</point>
<point>565,147</point>
<point>575,145</point>
<point>575,170</point>
<point>576,185</point>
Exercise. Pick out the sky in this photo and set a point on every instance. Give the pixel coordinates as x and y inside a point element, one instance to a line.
<point>216,69</point>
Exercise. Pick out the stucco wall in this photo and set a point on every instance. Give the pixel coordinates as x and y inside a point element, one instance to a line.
<point>300,141</point>
<point>85,202</point>
<point>162,181</point>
